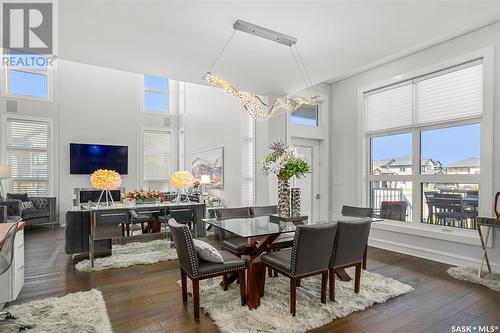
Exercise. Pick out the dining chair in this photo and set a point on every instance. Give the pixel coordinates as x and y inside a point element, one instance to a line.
<point>393,210</point>
<point>497,205</point>
<point>229,241</point>
<point>198,270</point>
<point>359,212</point>
<point>450,206</point>
<point>136,218</point>
<point>263,210</point>
<point>350,243</point>
<point>309,255</point>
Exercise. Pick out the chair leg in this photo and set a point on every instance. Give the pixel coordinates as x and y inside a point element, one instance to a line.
<point>263,282</point>
<point>332,284</point>
<point>196,298</point>
<point>293,295</point>
<point>243,289</point>
<point>357,278</point>
<point>184,287</point>
<point>224,282</point>
<point>123,229</point>
<point>365,254</point>
<point>324,281</point>
<point>298,282</point>
<point>270,272</point>
<point>275,273</point>
<point>128,227</point>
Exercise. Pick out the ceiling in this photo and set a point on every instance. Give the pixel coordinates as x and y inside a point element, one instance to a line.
<point>181,39</point>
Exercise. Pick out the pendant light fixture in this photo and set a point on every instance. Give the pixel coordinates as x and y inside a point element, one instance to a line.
<point>250,101</point>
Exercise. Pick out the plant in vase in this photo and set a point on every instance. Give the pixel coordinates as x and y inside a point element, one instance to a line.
<point>142,196</point>
<point>285,162</point>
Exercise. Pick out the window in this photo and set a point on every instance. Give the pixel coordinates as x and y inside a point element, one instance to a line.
<point>306,115</point>
<point>432,155</point>
<point>156,94</point>
<point>27,149</point>
<point>156,159</point>
<point>27,76</point>
<point>248,161</point>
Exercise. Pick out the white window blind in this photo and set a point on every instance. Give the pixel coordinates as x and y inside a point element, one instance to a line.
<point>156,159</point>
<point>248,162</point>
<point>389,108</point>
<point>28,156</point>
<point>451,95</point>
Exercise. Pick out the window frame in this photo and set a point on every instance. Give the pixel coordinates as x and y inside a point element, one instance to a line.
<point>144,129</point>
<point>6,82</point>
<point>168,92</point>
<point>50,148</point>
<point>484,179</point>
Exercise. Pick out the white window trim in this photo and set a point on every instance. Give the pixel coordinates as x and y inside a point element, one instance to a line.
<point>141,151</point>
<point>168,91</point>
<point>50,148</point>
<point>485,179</point>
<point>5,72</point>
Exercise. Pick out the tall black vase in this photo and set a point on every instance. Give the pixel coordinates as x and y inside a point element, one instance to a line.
<point>284,197</point>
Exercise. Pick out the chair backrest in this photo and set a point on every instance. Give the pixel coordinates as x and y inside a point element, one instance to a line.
<point>497,205</point>
<point>263,210</point>
<point>184,246</point>
<point>312,248</point>
<point>182,215</point>
<point>393,210</point>
<point>232,213</point>
<point>7,249</point>
<point>357,211</point>
<point>351,241</point>
<point>449,202</point>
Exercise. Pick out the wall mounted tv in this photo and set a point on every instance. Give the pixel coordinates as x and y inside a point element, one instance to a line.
<point>87,158</point>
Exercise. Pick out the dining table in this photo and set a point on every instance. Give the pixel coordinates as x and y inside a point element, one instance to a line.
<point>260,233</point>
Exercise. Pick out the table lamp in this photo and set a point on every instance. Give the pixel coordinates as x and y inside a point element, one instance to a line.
<point>5,173</point>
<point>204,181</point>
<point>181,180</point>
<point>105,180</point>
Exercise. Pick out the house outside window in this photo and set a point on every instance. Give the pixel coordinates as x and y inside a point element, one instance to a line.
<point>156,94</point>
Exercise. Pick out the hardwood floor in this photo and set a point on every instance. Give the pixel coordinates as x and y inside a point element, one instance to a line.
<point>147,299</point>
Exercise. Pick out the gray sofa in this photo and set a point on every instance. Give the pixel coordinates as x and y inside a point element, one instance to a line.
<point>42,212</point>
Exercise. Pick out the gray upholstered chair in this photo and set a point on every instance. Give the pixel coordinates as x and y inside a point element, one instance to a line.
<point>11,210</point>
<point>310,255</point>
<point>198,270</point>
<point>6,256</point>
<point>137,218</point>
<point>263,210</point>
<point>229,241</point>
<point>42,212</point>
<point>359,212</point>
<point>350,244</point>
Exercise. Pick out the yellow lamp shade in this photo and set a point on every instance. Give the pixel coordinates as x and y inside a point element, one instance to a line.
<point>105,179</point>
<point>182,180</point>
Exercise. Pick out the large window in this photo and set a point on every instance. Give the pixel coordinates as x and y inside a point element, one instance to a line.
<point>156,94</point>
<point>424,147</point>
<point>156,159</point>
<point>27,149</point>
<point>27,76</point>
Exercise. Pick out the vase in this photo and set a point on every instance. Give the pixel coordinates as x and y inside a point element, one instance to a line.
<point>284,197</point>
<point>295,201</point>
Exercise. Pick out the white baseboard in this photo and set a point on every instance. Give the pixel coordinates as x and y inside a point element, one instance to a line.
<point>440,256</point>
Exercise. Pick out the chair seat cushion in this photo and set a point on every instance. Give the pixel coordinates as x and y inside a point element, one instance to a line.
<point>279,259</point>
<point>236,244</point>
<point>33,213</point>
<point>207,252</point>
<point>231,263</point>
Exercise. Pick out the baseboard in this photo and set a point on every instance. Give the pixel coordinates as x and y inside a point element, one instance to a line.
<point>439,256</point>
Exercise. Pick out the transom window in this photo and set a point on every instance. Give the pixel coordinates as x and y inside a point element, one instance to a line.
<point>156,94</point>
<point>306,115</point>
<point>424,147</point>
<point>27,76</point>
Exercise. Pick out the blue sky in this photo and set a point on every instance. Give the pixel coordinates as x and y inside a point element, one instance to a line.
<point>447,145</point>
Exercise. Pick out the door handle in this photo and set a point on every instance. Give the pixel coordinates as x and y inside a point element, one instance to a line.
<point>318,196</point>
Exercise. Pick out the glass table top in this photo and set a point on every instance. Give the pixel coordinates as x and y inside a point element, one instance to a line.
<point>263,226</point>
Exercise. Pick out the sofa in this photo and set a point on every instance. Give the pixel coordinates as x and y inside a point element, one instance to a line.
<point>42,210</point>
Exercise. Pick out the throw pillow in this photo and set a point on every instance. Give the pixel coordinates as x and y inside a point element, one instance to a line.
<point>207,252</point>
<point>26,205</point>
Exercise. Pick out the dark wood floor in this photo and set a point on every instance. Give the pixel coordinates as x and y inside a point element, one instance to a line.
<point>147,299</point>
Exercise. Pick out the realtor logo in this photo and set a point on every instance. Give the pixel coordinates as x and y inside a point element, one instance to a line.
<point>27,27</point>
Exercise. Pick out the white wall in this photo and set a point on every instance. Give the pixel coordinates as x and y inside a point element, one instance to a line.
<point>346,181</point>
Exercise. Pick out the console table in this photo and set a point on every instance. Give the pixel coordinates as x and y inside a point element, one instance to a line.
<point>487,222</point>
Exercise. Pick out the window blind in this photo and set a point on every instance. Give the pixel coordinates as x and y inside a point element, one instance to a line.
<point>389,108</point>
<point>28,156</point>
<point>248,160</point>
<point>451,95</point>
<point>156,159</point>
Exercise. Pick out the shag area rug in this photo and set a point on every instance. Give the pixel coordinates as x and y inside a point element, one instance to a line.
<point>273,315</point>
<point>489,280</point>
<point>144,253</point>
<point>81,312</point>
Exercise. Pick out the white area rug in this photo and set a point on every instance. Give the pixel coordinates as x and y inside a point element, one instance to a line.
<point>469,274</point>
<point>273,315</point>
<point>81,312</point>
<point>145,253</point>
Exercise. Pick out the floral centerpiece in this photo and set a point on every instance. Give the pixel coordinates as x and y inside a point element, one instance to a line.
<point>144,196</point>
<point>285,162</point>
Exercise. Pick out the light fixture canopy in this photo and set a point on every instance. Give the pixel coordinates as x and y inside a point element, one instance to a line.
<point>250,101</point>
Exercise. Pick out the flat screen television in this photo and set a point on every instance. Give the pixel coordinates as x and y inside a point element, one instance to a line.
<point>87,158</point>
